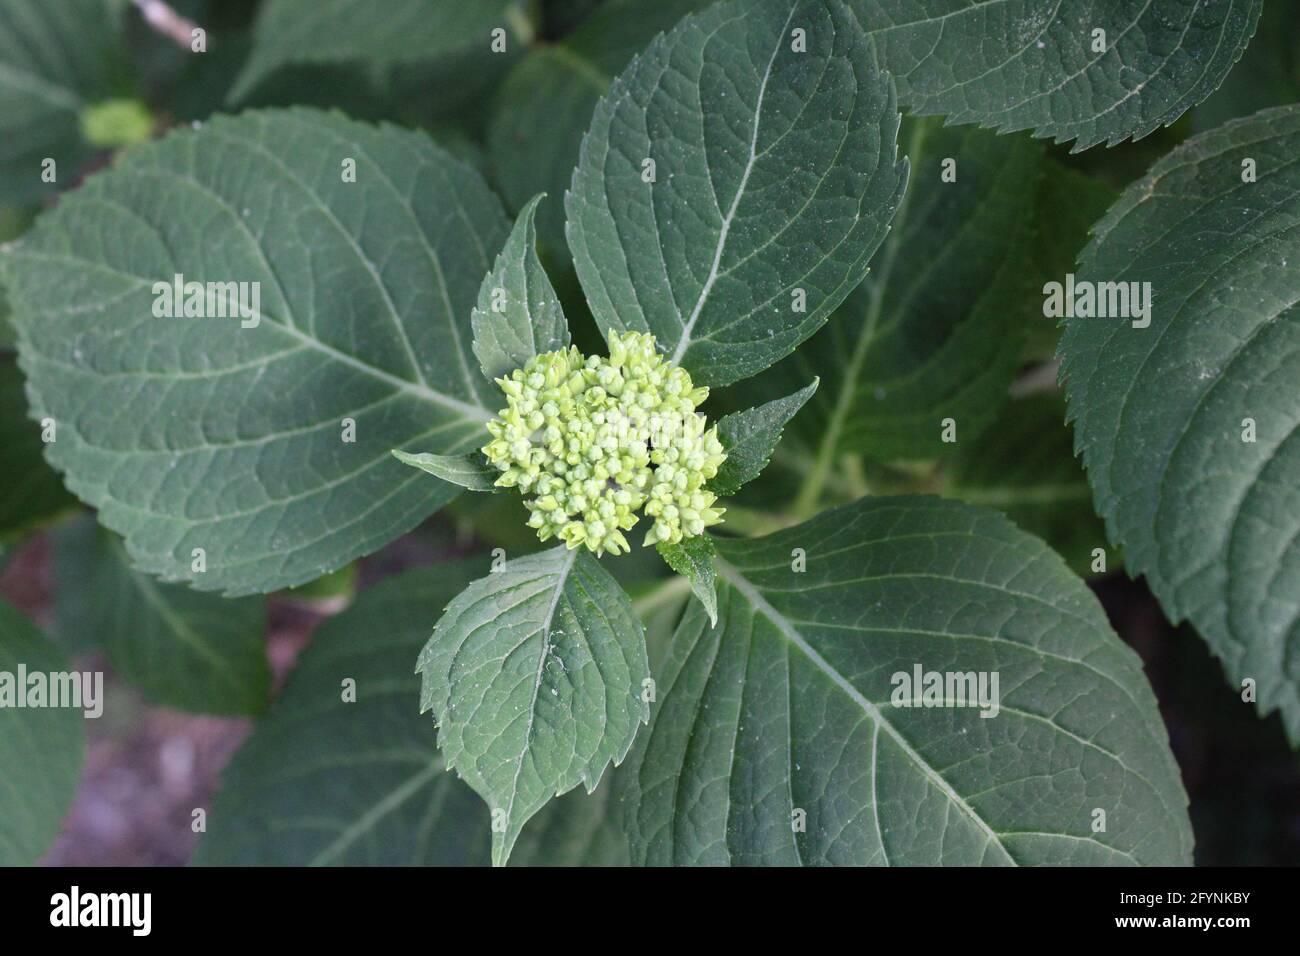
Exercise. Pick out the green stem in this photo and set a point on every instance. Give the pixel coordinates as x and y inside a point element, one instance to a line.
<point>797,460</point>
<point>753,523</point>
<point>520,24</point>
<point>856,478</point>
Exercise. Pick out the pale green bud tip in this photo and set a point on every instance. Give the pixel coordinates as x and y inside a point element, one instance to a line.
<point>590,441</point>
<point>115,123</point>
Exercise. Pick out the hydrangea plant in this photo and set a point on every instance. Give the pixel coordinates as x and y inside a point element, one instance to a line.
<point>728,334</point>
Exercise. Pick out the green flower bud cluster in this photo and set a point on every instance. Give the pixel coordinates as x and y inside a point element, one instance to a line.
<point>590,441</point>
<point>115,123</point>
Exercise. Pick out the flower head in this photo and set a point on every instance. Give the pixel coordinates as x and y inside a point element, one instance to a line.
<point>590,441</point>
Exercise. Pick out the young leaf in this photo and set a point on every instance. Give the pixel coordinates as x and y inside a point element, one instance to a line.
<point>296,32</point>
<point>751,436</point>
<point>472,470</point>
<point>258,448</point>
<point>733,240</point>
<point>1084,70</point>
<point>535,676</point>
<point>692,558</point>
<point>41,748</point>
<point>180,647</point>
<point>45,88</point>
<point>783,735</point>
<point>1189,419</point>
<point>545,103</point>
<point>330,779</point>
<point>518,315</point>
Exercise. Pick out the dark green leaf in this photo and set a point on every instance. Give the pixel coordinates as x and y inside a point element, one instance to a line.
<point>41,748</point>
<point>760,221</point>
<point>577,829</point>
<point>937,330</point>
<point>692,558</point>
<point>1268,74</point>
<point>1024,466</point>
<point>561,16</point>
<point>472,470</point>
<point>57,57</point>
<point>182,648</point>
<point>323,781</point>
<point>779,736</point>
<point>403,32</point>
<point>535,677</point>
<point>545,103</point>
<point>1189,420</point>
<point>194,433</point>
<point>1066,205</point>
<point>1013,65</point>
<point>30,492</point>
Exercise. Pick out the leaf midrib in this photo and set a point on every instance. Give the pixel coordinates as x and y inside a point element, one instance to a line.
<point>390,802</point>
<point>684,342</point>
<point>500,851</point>
<point>472,412</point>
<point>1012,495</point>
<point>747,589</point>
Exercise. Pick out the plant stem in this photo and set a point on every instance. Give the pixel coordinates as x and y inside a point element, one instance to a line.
<point>1040,378</point>
<point>520,25</point>
<point>797,460</point>
<point>167,22</point>
<point>754,523</point>
<point>855,477</point>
